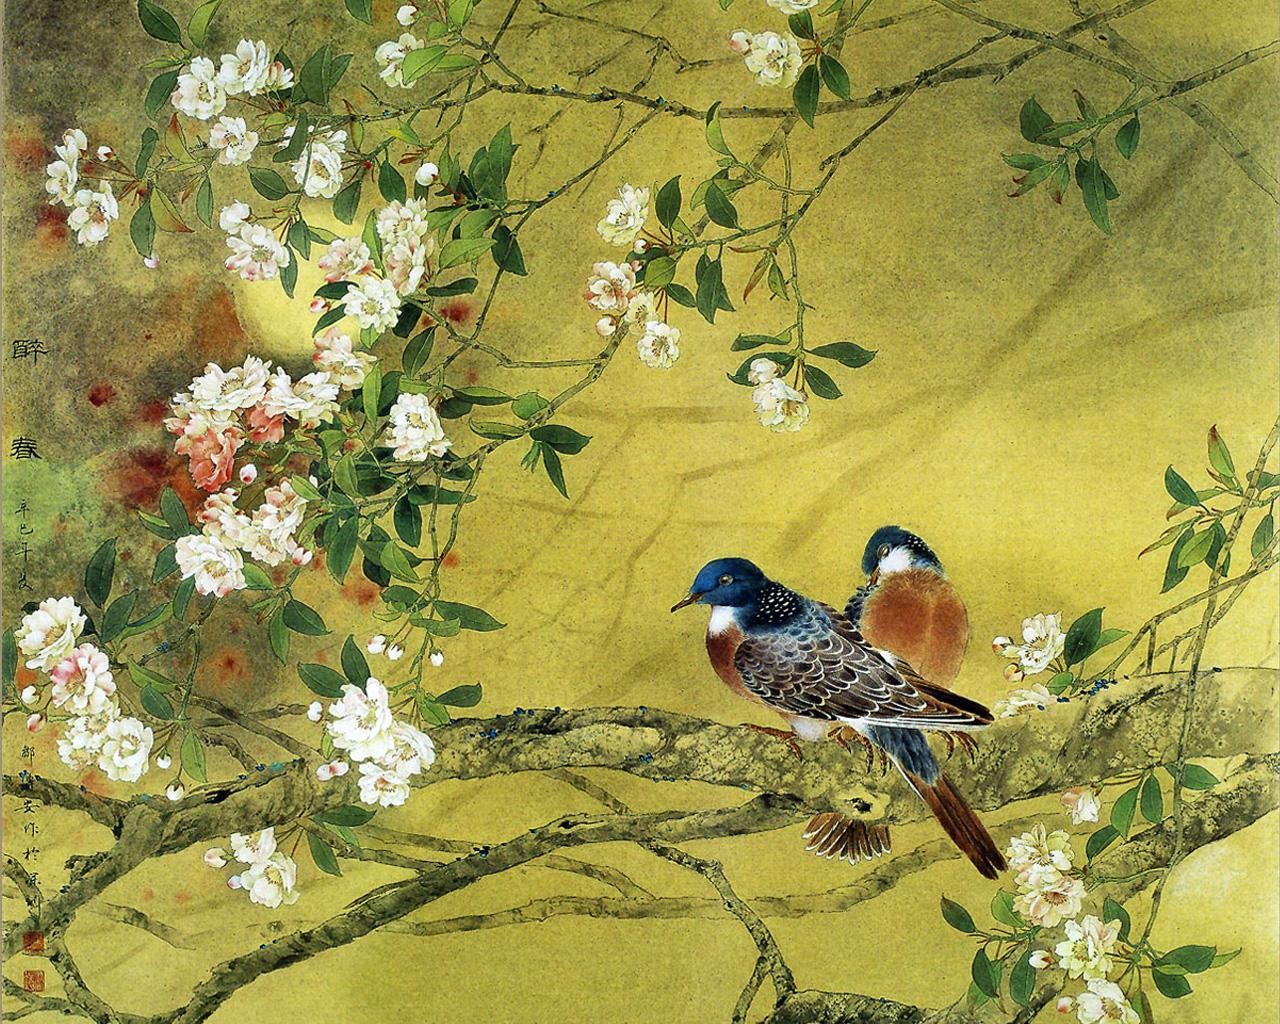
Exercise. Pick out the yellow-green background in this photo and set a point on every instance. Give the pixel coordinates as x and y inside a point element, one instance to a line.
<point>1033,381</point>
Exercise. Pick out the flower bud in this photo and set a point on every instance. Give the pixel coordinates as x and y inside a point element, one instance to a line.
<point>163,761</point>
<point>324,773</point>
<point>1013,672</point>
<point>319,305</point>
<point>640,245</point>
<point>1040,959</point>
<point>377,644</point>
<point>29,695</point>
<point>248,473</point>
<point>426,175</point>
<point>215,857</point>
<point>315,711</point>
<point>1000,644</point>
<point>151,262</point>
<point>234,882</point>
<point>301,556</point>
<point>34,722</point>
<point>340,768</point>
<point>436,658</point>
<point>605,326</point>
<point>1065,1004</point>
<point>740,42</point>
<point>406,14</point>
<point>175,791</point>
<point>106,153</point>
<point>395,652</point>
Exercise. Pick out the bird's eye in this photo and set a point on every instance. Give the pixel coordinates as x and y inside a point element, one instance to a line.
<point>725,580</point>
<point>884,550</point>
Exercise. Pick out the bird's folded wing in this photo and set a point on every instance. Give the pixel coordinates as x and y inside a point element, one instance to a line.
<point>822,668</point>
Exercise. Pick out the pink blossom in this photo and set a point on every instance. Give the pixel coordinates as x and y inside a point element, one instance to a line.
<point>263,427</point>
<point>212,456</point>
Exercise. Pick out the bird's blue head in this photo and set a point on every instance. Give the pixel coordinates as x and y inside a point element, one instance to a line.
<point>893,549</point>
<point>727,582</point>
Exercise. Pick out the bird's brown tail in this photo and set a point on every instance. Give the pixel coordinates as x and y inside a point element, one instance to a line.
<point>961,823</point>
<point>833,835</point>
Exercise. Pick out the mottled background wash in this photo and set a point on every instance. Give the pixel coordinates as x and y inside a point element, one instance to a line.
<point>1033,381</point>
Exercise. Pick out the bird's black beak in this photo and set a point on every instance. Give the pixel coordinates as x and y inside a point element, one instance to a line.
<point>686,602</point>
<point>874,577</point>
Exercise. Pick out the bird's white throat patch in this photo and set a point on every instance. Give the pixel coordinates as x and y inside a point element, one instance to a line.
<point>721,619</point>
<point>897,560</point>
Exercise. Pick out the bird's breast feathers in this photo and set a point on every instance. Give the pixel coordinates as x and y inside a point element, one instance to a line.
<point>724,637</point>
<point>917,615</point>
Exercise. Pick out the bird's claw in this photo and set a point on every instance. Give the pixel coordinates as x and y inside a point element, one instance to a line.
<point>969,744</point>
<point>785,735</point>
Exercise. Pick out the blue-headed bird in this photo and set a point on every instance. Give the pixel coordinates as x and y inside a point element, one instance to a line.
<point>811,665</point>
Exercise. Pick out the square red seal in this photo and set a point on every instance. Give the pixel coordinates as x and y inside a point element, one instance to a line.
<point>33,942</point>
<point>33,981</point>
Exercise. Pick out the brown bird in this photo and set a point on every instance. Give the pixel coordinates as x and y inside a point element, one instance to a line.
<point>812,666</point>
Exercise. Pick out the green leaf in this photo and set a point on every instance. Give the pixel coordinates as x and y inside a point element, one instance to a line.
<point>1221,959</point>
<point>182,596</point>
<point>302,618</point>
<point>1095,193</point>
<point>466,696</point>
<point>1195,550</point>
<point>361,10</point>
<point>142,230</point>
<point>464,250</point>
<point>668,202</point>
<point>719,208</point>
<point>746,342</point>
<point>1022,979</point>
<point>1033,120</point>
<point>1002,911</point>
<point>432,711</point>
<point>1060,682</point>
<point>834,74</point>
<point>659,272</point>
<point>805,94</point>
<point>390,183</point>
<point>371,392</point>
<point>278,634</point>
<point>986,974</point>
<point>340,552</point>
<point>820,382</point>
<point>1262,535</point>
<point>198,26</point>
<point>469,616</point>
<point>100,572</point>
<point>350,815</point>
<point>175,513</point>
<point>297,141</point>
<point>1220,456</point>
<point>714,133</point>
<point>204,204</point>
<point>846,353</point>
<point>1023,161</point>
<point>256,577</point>
<point>1195,777</point>
<point>268,183</point>
<point>1171,986</point>
<point>1122,810</point>
<point>801,25</point>
<point>1181,491</point>
<point>145,677</point>
<point>1193,959</point>
<point>321,852</point>
<point>158,94</point>
<point>1173,572</point>
<point>563,439</point>
<point>529,404</point>
<point>1152,801</point>
<point>555,471</point>
<point>439,627</point>
<point>507,253</point>
<point>347,201</point>
<point>1143,1005</point>
<point>1109,636</point>
<point>345,476</point>
<point>319,74</point>
<point>354,663</point>
<point>192,754</point>
<point>116,617</point>
<point>394,560</point>
<point>1099,841</point>
<point>956,916</point>
<point>408,522</point>
<point>158,23</point>
<point>322,679</point>
<point>710,283</point>
<point>418,62</point>
<point>156,703</point>
<point>418,351</point>
<point>1113,911</point>
<point>1127,137</point>
<point>1082,637</point>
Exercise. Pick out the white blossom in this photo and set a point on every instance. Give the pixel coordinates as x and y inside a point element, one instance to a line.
<point>1086,951</point>
<point>1039,857</point>
<point>763,370</point>
<point>309,400</point>
<point>1104,1003</point>
<point>373,303</point>
<point>82,738</point>
<point>1042,641</point>
<point>377,644</point>
<point>427,173</point>
<point>1015,702</point>
<point>126,749</point>
<point>253,849</point>
<point>200,93</point>
<point>217,568</point>
<point>1052,903</point>
<point>49,634</point>
<point>406,14</point>
<point>382,786</point>
<point>624,217</point>
<point>792,6</point>
<point>233,139</point>
<point>336,355</point>
<point>274,523</point>
<point>391,56</point>
<point>315,711</point>
<point>82,682</point>
<point>318,169</point>
<point>659,346</point>
<point>92,213</point>
<point>74,145</point>
<point>246,70</point>
<point>272,882</point>
<point>642,308</point>
<point>1082,803</point>
<point>611,287</point>
<point>774,59</point>
<point>60,181</point>
<point>240,387</point>
<point>414,430</point>
<point>362,722</point>
<point>256,255</point>
<point>779,406</point>
<point>232,216</point>
<point>345,260</point>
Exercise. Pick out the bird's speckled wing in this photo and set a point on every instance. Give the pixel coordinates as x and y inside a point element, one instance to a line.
<point>821,667</point>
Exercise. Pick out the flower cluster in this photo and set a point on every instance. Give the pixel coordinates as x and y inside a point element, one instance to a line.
<point>779,406</point>
<point>390,57</point>
<point>774,59</point>
<point>1050,893</point>
<point>1042,644</point>
<point>91,211</point>
<point>256,254</point>
<point>270,876</point>
<point>318,168</point>
<point>389,752</point>
<point>82,690</point>
<point>202,89</point>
